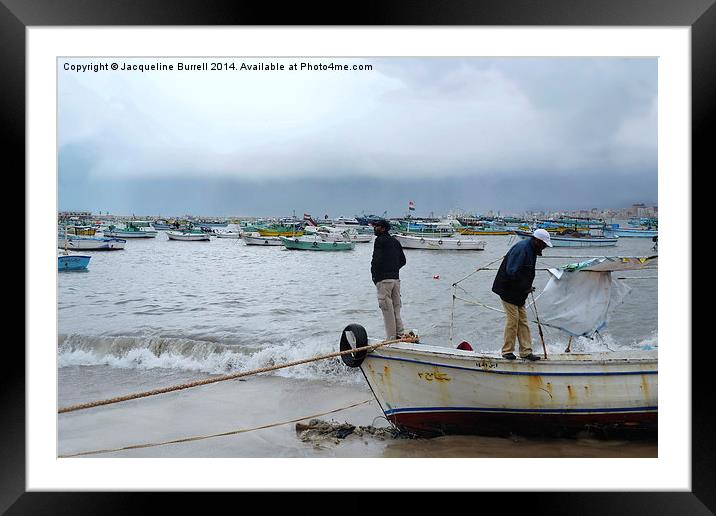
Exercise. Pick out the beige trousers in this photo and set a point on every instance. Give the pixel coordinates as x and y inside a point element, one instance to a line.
<point>389,303</point>
<point>516,327</point>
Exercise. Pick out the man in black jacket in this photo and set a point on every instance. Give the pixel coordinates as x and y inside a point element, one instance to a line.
<point>388,258</point>
<point>513,284</point>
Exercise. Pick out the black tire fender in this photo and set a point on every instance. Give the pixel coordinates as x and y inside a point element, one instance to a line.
<point>440,242</point>
<point>458,242</point>
<point>361,340</point>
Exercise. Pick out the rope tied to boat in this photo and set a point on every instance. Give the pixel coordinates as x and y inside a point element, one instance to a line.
<point>210,436</point>
<point>206,381</point>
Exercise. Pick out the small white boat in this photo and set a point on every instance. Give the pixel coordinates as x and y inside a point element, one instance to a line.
<point>227,234</point>
<point>190,236</point>
<point>257,239</point>
<point>447,243</point>
<point>90,243</point>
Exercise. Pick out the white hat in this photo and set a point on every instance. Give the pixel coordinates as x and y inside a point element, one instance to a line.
<point>543,235</point>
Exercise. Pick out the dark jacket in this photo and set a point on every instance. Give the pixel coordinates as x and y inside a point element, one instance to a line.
<point>388,258</point>
<point>516,273</point>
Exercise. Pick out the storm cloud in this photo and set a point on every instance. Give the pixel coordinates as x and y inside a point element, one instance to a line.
<point>471,133</point>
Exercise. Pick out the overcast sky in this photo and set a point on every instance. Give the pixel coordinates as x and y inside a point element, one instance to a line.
<point>474,134</point>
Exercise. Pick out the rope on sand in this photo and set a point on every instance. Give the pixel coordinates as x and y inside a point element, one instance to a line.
<point>232,376</point>
<point>202,437</point>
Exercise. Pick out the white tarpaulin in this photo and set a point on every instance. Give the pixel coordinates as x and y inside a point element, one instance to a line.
<point>578,297</point>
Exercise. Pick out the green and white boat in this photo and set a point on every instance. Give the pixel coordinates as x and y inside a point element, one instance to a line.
<point>315,244</point>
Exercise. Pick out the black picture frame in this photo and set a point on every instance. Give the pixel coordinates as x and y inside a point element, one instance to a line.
<point>699,15</point>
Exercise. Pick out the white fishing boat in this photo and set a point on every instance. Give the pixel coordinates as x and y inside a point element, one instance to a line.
<point>257,239</point>
<point>189,236</point>
<point>83,243</point>
<point>430,389</point>
<point>446,243</point>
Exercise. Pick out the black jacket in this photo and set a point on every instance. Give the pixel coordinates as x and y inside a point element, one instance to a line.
<point>388,258</point>
<point>516,273</point>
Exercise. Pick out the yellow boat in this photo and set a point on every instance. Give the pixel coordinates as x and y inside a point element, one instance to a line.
<point>477,231</point>
<point>81,230</point>
<point>557,231</point>
<point>278,232</point>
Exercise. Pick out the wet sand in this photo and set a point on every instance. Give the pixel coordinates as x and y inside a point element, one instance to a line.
<point>275,404</point>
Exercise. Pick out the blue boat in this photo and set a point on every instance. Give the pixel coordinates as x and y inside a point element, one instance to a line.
<point>72,262</point>
<point>616,230</point>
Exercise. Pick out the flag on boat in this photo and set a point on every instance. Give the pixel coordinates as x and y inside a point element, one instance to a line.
<point>411,206</point>
<point>308,219</point>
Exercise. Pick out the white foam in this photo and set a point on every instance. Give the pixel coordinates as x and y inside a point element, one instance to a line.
<point>206,357</point>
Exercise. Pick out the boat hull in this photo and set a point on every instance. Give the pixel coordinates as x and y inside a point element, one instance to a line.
<point>453,244</point>
<point>429,390</point>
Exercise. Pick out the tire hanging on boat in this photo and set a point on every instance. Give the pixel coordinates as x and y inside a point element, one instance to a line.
<point>361,340</point>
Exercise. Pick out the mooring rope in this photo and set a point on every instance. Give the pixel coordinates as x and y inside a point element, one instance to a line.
<point>232,376</point>
<point>202,437</point>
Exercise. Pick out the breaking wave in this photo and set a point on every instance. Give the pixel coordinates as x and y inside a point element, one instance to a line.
<point>203,356</point>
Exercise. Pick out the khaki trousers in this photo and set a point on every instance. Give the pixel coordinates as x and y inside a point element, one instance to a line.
<point>516,327</point>
<point>389,303</point>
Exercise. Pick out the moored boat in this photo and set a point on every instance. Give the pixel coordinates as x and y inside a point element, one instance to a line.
<point>277,230</point>
<point>189,236</point>
<point>227,234</point>
<point>257,239</point>
<point>90,243</point>
<point>631,232</point>
<point>72,262</point>
<point>576,239</point>
<point>447,243</point>
<point>315,244</point>
<point>132,229</point>
<point>484,230</point>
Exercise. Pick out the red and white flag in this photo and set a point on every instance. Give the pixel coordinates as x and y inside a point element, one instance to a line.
<point>308,219</point>
<point>411,206</point>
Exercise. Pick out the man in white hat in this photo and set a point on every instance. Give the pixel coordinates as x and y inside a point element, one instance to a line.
<point>513,284</point>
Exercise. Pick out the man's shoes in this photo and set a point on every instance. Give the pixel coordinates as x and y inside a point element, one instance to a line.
<point>509,356</point>
<point>531,356</point>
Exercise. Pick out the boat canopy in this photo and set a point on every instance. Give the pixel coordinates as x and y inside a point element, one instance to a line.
<point>579,297</point>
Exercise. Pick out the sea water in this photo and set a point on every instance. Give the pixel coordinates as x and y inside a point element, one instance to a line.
<point>162,312</point>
